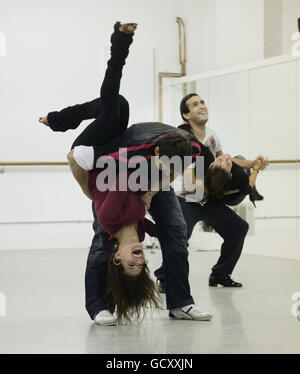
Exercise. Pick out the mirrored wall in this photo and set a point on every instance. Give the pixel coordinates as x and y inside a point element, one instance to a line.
<point>255,111</point>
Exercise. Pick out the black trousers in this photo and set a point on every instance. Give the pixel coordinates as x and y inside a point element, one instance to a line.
<point>229,225</point>
<point>113,113</point>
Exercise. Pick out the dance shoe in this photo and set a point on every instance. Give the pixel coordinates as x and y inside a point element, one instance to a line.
<point>105,318</point>
<point>255,196</point>
<point>190,312</point>
<point>223,280</point>
<point>127,28</point>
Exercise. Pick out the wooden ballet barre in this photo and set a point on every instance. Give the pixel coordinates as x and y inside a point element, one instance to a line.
<point>284,161</point>
<point>66,163</point>
<point>33,163</point>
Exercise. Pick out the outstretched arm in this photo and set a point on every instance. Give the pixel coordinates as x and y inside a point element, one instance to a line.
<point>247,164</point>
<point>258,164</point>
<point>81,175</point>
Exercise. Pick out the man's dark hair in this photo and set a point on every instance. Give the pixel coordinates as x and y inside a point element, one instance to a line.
<point>175,144</point>
<point>216,182</point>
<point>183,106</point>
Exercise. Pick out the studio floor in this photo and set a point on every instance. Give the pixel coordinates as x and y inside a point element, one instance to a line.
<point>44,294</point>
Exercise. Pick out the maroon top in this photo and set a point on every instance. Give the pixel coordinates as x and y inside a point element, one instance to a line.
<point>116,209</point>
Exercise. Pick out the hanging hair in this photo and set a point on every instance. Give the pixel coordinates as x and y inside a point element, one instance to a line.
<point>216,183</point>
<point>130,296</point>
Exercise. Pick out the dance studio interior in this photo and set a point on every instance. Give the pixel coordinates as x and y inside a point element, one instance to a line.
<point>242,58</point>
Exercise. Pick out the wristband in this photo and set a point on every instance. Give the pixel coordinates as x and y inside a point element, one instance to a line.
<point>256,170</point>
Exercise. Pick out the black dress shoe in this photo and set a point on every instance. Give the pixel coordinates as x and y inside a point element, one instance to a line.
<point>161,286</point>
<point>223,280</point>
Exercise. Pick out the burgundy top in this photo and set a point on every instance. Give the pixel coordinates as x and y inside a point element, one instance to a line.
<point>116,209</point>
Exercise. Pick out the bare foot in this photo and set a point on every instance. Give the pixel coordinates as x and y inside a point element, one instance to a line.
<point>44,120</point>
<point>128,28</point>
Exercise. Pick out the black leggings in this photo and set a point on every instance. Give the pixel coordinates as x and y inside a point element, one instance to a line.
<point>111,110</point>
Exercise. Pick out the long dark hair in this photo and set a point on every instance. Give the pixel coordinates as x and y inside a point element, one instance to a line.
<point>216,182</point>
<point>130,296</point>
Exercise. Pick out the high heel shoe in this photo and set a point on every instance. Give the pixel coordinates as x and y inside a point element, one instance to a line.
<point>121,39</point>
<point>255,196</point>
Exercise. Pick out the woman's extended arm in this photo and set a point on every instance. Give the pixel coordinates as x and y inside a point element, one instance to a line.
<point>259,163</point>
<point>247,164</point>
<point>81,175</point>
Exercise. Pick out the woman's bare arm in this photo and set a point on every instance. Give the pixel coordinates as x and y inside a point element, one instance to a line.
<point>81,175</point>
<point>247,164</point>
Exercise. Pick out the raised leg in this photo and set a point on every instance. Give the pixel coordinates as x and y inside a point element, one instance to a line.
<point>111,110</point>
<point>110,123</point>
<point>70,117</point>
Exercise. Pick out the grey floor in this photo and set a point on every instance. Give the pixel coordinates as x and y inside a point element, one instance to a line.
<point>45,309</point>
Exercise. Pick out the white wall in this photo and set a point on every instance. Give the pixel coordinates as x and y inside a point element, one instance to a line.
<point>280,24</point>
<point>224,33</point>
<point>272,28</point>
<point>56,55</point>
<point>290,14</point>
